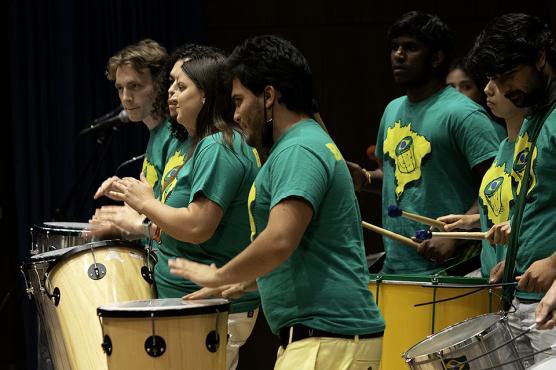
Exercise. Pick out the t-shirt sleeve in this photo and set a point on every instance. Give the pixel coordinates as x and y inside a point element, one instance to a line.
<point>217,174</point>
<point>476,138</point>
<point>298,172</point>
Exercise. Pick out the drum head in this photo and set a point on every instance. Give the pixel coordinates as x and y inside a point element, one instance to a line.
<point>453,335</point>
<point>164,307</point>
<point>64,228</point>
<point>51,255</point>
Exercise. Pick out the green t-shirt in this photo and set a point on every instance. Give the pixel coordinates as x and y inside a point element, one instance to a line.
<point>224,176</point>
<point>160,142</point>
<point>537,239</point>
<point>324,283</point>
<point>495,202</point>
<point>428,151</point>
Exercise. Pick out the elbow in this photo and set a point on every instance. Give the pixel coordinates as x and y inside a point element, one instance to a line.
<point>200,234</point>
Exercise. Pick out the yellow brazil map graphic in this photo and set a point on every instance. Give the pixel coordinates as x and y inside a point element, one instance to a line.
<point>149,171</point>
<point>522,148</point>
<point>496,194</point>
<point>408,149</point>
<point>169,176</point>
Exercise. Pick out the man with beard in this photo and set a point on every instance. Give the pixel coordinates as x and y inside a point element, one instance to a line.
<point>517,52</point>
<point>307,250</point>
<point>434,146</point>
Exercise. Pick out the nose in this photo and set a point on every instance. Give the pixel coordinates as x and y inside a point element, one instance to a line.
<point>236,116</point>
<point>489,88</point>
<point>398,52</point>
<point>126,95</point>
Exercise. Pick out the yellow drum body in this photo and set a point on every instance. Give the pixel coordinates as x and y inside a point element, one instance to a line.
<point>165,334</point>
<point>79,281</point>
<point>406,324</point>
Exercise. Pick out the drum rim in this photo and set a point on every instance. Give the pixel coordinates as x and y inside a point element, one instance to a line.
<point>431,280</point>
<point>60,230</point>
<point>456,346</point>
<point>101,243</point>
<point>102,311</point>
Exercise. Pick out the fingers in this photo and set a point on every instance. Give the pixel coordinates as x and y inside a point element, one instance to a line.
<point>202,293</point>
<point>496,273</point>
<point>105,186</point>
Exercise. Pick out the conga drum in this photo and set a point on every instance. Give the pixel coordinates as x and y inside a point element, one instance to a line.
<point>416,306</point>
<point>69,284</point>
<point>479,343</point>
<point>49,236</point>
<point>168,334</point>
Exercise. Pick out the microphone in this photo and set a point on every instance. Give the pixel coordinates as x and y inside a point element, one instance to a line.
<point>107,122</point>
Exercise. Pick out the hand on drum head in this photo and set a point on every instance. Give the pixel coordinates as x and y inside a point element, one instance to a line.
<point>200,274</point>
<point>545,315</point>
<point>105,188</point>
<point>436,250</point>
<point>499,234</point>
<point>136,193</point>
<point>117,221</point>
<point>460,222</point>
<point>497,272</point>
<point>539,276</point>
<point>228,291</point>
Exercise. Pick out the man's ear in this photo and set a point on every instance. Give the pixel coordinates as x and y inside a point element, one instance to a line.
<point>270,96</point>
<point>541,60</point>
<point>437,58</point>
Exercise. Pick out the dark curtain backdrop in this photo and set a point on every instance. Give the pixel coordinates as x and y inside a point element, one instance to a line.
<point>56,53</point>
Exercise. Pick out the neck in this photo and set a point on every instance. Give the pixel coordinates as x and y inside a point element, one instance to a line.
<point>417,93</point>
<point>283,120</point>
<point>513,125</point>
<point>152,122</point>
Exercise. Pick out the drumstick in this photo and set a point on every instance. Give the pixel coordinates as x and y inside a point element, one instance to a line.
<point>379,230</point>
<point>470,235</point>
<point>395,211</point>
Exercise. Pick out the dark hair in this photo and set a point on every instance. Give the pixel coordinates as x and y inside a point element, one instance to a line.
<point>146,54</point>
<point>182,52</point>
<point>430,30</point>
<point>205,68</point>
<point>508,41</point>
<point>270,60</point>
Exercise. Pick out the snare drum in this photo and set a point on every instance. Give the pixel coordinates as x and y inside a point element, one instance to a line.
<point>478,343</point>
<point>165,334</point>
<point>69,284</point>
<point>57,235</point>
<point>406,324</point>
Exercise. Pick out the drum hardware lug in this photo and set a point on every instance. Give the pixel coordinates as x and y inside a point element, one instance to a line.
<point>28,286</point>
<point>96,271</point>
<point>54,297</point>
<point>147,274</point>
<point>434,279</point>
<point>212,341</point>
<point>107,345</point>
<point>155,346</point>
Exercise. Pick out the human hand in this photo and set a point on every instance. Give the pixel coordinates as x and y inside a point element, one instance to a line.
<point>545,314</point>
<point>228,291</point>
<point>136,193</point>
<point>497,272</point>
<point>499,234</point>
<point>121,221</point>
<point>359,176</point>
<point>200,274</point>
<point>460,222</point>
<point>539,276</point>
<point>436,250</point>
<point>105,187</point>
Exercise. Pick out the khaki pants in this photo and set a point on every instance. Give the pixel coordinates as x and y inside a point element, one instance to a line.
<point>330,354</point>
<point>240,326</point>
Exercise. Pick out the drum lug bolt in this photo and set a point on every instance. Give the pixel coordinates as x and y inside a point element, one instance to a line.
<point>107,345</point>
<point>155,346</point>
<point>213,341</point>
<point>96,271</point>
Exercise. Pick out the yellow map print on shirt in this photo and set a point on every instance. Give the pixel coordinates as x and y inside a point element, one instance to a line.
<point>250,200</point>
<point>169,175</point>
<point>496,194</point>
<point>407,149</point>
<point>522,148</point>
<point>149,171</point>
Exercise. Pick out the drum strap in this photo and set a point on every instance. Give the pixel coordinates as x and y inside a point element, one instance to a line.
<point>513,245</point>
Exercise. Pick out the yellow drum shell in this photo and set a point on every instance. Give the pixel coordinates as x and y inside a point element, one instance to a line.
<point>80,296</point>
<point>406,324</point>
<point>185,336</point>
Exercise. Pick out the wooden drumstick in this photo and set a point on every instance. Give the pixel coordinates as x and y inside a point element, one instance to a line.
<point>470,235</point>
<point>379,230</point>
<point>395,211</point>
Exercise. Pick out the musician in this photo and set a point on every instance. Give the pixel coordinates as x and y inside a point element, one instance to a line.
<point>137,71</point>
<point>307,250</point>
<point>202,213</point>
<point>433,144</point>
<point>517,52</point>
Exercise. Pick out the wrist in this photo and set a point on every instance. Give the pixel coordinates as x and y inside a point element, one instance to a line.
<point>146,228</point>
